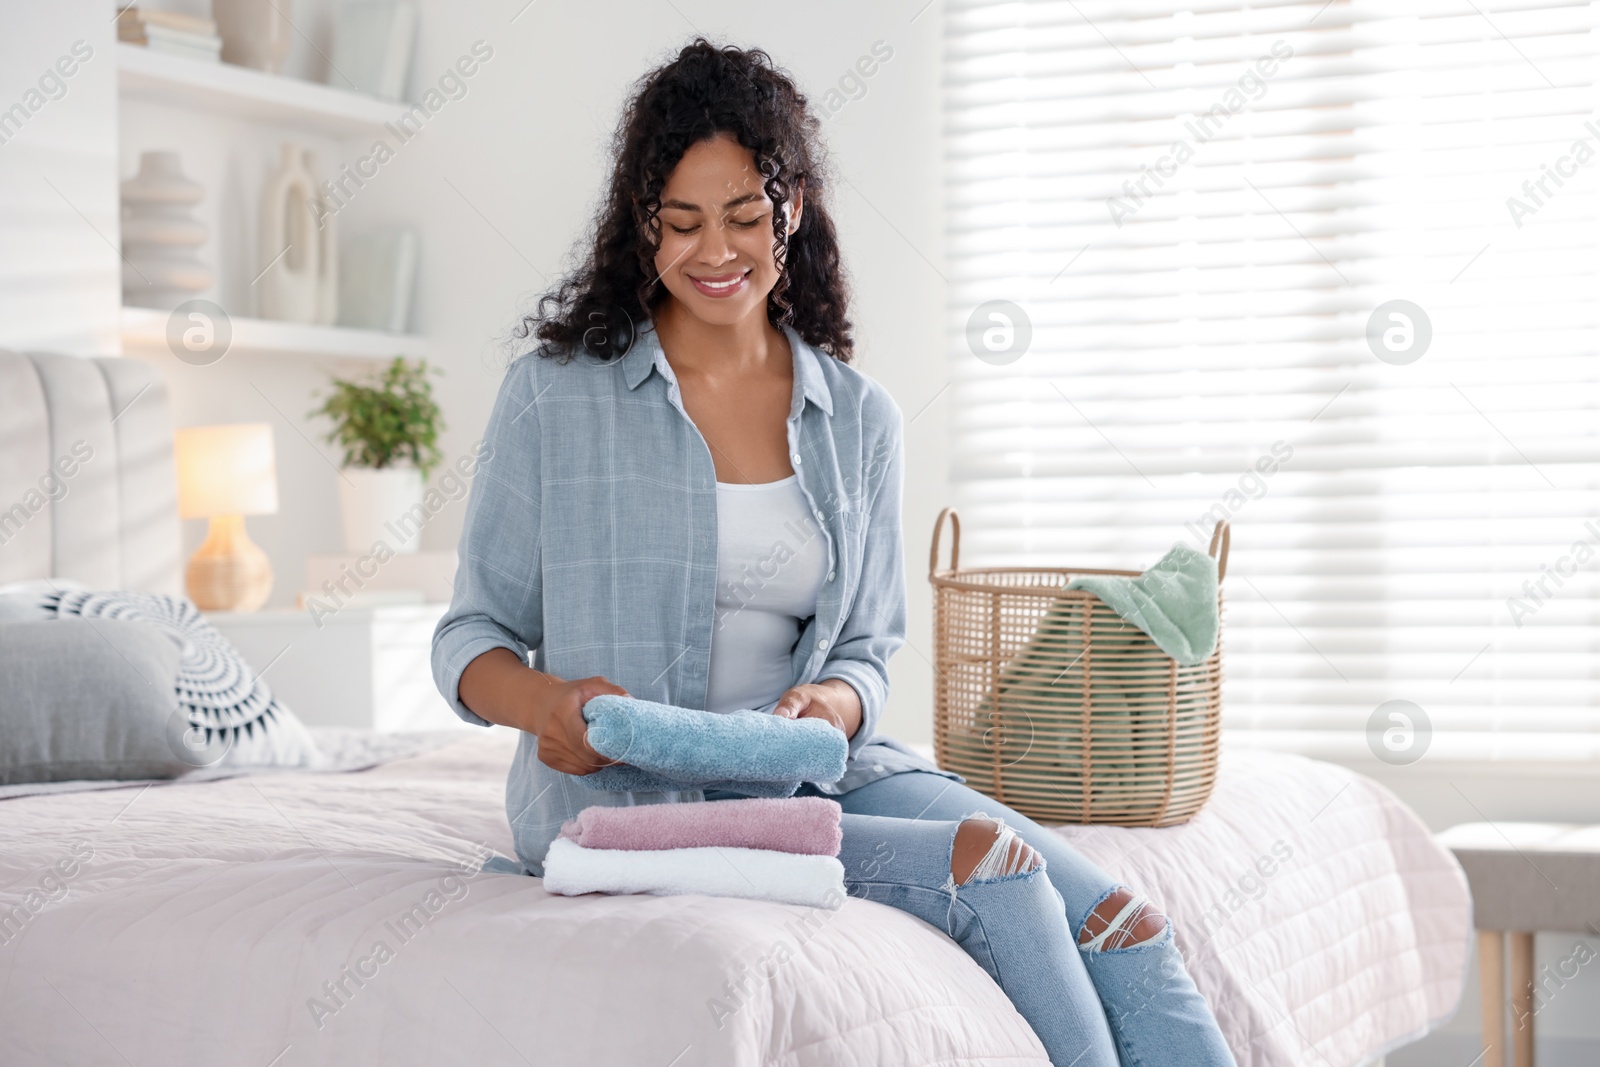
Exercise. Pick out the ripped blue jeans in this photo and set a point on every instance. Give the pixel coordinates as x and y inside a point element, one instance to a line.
<point>1095,998</point>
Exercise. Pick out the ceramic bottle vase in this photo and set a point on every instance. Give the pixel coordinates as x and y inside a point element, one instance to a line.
<point>255,33</point>
<point>327,270</point>
<point>160,234</point>
<point>290,242</point>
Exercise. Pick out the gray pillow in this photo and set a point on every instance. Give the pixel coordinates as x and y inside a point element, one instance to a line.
<point>233,720</point>
<point>88,698</point>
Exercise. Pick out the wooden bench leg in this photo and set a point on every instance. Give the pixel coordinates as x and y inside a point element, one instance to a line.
<point>1491,992</point>
<point>1522,999</point>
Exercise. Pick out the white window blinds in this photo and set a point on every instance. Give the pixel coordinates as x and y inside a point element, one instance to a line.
<point>1199,213</point>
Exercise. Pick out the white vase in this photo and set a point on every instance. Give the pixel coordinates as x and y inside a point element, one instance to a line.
<point>290,246</point>
<point>381,505</point>
<point>327,266</point>
<point>255,33</point>
<point>160,267</point>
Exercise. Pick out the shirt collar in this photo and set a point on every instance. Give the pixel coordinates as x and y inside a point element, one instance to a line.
<point>647,355</point>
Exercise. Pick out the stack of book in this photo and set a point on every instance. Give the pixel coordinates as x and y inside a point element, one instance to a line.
<point>171,33</point>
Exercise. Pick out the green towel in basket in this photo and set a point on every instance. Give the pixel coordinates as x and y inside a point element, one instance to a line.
<point>1175,602</point>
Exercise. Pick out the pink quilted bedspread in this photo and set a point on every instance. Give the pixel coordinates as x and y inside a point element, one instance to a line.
<point>1316,912</point>
<point>296,919</point>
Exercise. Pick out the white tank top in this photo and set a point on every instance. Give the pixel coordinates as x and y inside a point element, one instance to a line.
<point>772,559</point>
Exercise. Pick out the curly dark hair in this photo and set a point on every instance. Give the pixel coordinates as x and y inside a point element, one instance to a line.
<point>705,91</point>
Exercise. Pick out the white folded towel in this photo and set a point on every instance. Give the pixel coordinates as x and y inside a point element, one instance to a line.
<point>756,873</point>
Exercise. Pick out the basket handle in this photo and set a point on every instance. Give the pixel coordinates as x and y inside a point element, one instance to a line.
<point>955,541</point>
<point>1221,539</point>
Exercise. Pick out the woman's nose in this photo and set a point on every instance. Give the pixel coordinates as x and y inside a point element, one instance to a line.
<point>715,244</point>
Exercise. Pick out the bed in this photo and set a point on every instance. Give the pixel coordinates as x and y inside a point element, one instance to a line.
<point>367,917</point>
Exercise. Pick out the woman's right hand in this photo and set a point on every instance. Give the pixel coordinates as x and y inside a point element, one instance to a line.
<point>557,720</point>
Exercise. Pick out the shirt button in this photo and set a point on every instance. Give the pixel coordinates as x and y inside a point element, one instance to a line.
<point>823,643</point>
<point>830,576</point>
<point>819,516</point>
<point>877,766</point>
<point>795,457</point>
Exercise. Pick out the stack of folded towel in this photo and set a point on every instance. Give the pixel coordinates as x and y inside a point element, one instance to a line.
<point>782,849</point>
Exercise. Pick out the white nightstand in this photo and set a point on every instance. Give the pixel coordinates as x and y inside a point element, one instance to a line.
<point>363,666</point>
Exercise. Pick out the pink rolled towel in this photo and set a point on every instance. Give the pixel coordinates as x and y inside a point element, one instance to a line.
<point>804,825</point>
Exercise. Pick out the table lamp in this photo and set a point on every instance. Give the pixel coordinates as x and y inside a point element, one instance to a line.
<point>224,474</point>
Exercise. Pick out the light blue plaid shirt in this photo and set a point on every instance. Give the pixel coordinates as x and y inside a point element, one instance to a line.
<point>591,539</point>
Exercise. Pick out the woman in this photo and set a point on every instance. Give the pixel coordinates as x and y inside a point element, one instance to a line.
<point>691,497</point>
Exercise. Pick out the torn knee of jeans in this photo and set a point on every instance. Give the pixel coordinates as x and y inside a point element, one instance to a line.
<point>1122,919</point>
<point>986,849</point>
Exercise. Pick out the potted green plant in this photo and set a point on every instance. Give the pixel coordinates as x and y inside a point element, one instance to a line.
<point>389,430</point>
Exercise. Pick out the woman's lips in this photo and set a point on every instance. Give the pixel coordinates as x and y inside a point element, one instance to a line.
<point>721,285</point>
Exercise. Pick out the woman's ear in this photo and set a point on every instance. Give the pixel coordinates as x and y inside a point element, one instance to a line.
<point>797,205</point>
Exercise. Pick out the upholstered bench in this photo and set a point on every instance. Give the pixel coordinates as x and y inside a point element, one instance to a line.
<point>1526,877</point>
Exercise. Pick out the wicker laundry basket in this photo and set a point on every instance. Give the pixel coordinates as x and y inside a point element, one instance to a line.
<point>1047,701</point>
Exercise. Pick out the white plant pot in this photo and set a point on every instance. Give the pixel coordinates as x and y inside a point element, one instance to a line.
<point>377,505</point>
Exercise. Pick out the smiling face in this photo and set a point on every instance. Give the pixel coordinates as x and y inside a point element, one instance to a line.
<point>716,256</point>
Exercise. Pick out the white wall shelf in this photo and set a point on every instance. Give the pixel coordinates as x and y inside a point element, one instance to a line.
<point>222,88</point>
<point>145,330</point>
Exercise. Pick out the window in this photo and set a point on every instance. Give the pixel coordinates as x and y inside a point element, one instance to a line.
<point>1329,270</point>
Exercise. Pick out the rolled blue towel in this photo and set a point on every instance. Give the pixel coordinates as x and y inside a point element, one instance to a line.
<point>667,747</point>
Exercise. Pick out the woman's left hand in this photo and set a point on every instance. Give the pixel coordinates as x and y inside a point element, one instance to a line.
<point>832,699</point>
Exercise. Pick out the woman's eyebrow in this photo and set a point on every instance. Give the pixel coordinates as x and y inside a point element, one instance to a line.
<point>684,205</point>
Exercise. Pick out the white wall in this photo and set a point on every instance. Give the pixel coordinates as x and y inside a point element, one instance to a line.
<point>59,269</point>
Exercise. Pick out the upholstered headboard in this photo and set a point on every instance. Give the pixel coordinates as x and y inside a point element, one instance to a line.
<point>88,489</point>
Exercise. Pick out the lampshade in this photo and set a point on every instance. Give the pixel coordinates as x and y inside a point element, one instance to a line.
<point>226,470</point>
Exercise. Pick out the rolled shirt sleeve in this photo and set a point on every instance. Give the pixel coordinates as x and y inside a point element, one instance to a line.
<point>876,626</point>
<point>498,599</point>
